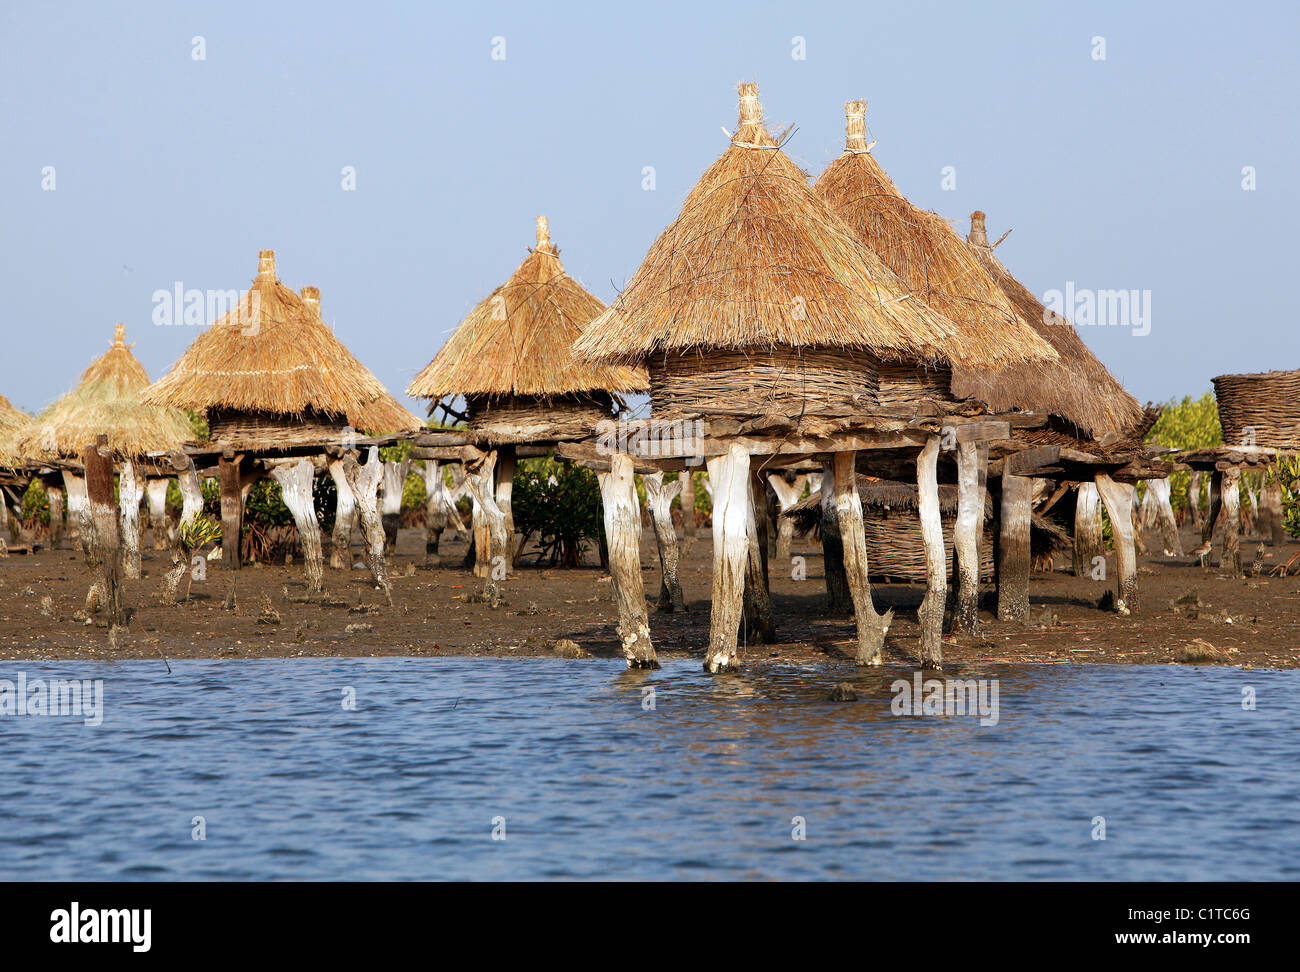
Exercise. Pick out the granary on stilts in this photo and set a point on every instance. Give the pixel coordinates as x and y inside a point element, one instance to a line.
<point>1076,399</point>
<point>107,400</point>
<point>760,314</point>
<point>511,361</point>
<point>283,396</point>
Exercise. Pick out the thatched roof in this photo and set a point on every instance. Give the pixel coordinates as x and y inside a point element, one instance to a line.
<point>11,421</point>
<point>930,259</point>
<point>519,339</point>
<point>272,354</point>
<point>756,259</point>
<point>1076,387</point>
<point>108,401</point>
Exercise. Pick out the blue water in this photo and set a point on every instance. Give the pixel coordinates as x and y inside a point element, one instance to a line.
<point>591,784</point>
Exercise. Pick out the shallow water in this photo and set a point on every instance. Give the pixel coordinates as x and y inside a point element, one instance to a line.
<point>591,783</point>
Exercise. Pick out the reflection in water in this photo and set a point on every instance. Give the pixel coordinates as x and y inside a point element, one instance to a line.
<point>602,772</point>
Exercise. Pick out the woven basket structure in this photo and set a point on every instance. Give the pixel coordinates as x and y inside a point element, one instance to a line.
<point>1260,409</point>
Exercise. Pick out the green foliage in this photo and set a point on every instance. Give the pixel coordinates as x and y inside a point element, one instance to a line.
<point>413,492</point>
<point>397,451</point>
<point>1285,474</point>
<point>559,503</point>
<point>36,503</point>
<point>265,505</point>
<point>1189,424</point>
<point>202,530</point>
<point>198,425</point>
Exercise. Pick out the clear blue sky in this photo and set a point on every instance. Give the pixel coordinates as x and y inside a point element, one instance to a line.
<point>1122,173</point>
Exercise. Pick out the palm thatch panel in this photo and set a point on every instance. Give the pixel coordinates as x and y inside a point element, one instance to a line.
<point>273,355</point>
<point>519,340</point>
<point>756,259</point>
<point>108,400</point>
<point>1077,387</point>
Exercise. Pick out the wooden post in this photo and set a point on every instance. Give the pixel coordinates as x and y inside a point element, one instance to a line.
<point>155,491</point>
<point>364,483</point>
<point>930,613</point>
<point>687,502</point>
<point>872,627</point>
<point>1118,498</point>
<point>1087,529</point>
<point>505,485</point>
<point>972,469</point>
<point>1249,506</point>
<point>394,482</point>
<point>129,491</point>
<point>758,598</point>
<point>1270,501</point>
<point>191,506</point>
<point>105,539</point>
<point>1231,558</point>
<point>232,510</point>
<point>659,498</point>
<point>1194,498</point>
<point>1158,490</point>
<point>5,527</point>
<point>295,479</point>
<point>838,597</point>
<point>729,475</point>
<point>1211,519</point>
<point>1015,514</point>
<point>435,516</point>
<point>345,511</point>
<point>489,523</point>
<point>78,508</point>
<point>787,494</point>
<point>622,520</point>
<point>55,495</point>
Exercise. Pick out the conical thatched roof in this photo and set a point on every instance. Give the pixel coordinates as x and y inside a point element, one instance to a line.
<point>12,420</point>
<point>756,259</point>
<point>108,401</point>
<point>519,340</point>
<point>273,355</point>
<point>930,259</point>
<point>1076,387</point>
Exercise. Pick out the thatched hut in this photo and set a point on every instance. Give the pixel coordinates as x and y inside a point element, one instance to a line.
<point>512,360</point>
<point>107,400</point>
<point>277,385</point>
<point>757,301</point>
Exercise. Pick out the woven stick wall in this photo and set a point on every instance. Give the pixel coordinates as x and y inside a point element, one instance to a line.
<point>904,384</point>
<point>532,418</point>
<point>781,380</point>
<point>269,429</point>
<point>1261,409</point>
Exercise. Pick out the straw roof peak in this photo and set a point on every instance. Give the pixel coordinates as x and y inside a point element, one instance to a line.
<point>519,339</point>
<point>266,265</point>
<point>855,126</point>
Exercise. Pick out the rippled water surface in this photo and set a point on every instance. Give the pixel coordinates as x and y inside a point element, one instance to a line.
<point>591,782</point>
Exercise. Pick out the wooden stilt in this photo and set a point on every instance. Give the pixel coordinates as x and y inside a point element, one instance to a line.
<point>622,521</point>
<point>1087,529</point>
<point>232,510</point>
<point>78,508</point>
<point>295,479</point>
<point>364,482</point>
<point>155,491</point>
<point>1015,513</point>
<point>55,496</point>
<point>191,506</point>
<point>729,475</point>
<point>394,481</point>
<point>435,516</point>
<point>130,489</point>
<point>1158,490</point>
<point>687,503</point>
<point>1213,513</point>
<point>930,613</point>
<point>505,485</point>
<point>6,529</point>
<point>659,498</point>
<point>972,468</point>
<point>489,523</point>
<point>1231,559</point>
<point>1270,501</point>
<point>788,492</point>
<point>105,538</point>
<point>757,602</point>
<point>1118,498</point>
<point>872,627</point>
<point>345,511</point>
<point>1194,498</point>
<point>838,597</point>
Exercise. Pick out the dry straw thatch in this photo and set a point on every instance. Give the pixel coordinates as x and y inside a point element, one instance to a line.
<point>106,401</point>
<point>519,340</point>
<point>1076,387</point>
<point>12,420</point>
<point>1260,409</point>
<point>757,260</point>
<point>930,259</point>
<point>273,356</point>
